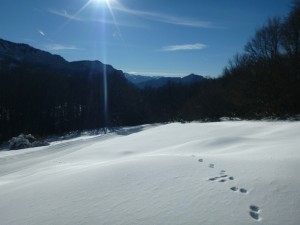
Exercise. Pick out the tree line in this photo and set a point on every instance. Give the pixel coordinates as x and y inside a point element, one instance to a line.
<point>263,81</point>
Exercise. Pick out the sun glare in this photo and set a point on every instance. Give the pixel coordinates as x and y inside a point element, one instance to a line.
<point>99,1</point>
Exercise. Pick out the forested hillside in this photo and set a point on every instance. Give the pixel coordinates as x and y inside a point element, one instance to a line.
<point>264,80</point>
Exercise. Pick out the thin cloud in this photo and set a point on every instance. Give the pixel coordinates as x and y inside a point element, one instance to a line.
<point>59,47</point>
<point>185,47</point>
<point>188,22</point>
<point>153,16</point>
<point>110,22</point>
<point>159,17</point>
<point>65,14</point>
<point>41,33</point>
<point>76,17</point>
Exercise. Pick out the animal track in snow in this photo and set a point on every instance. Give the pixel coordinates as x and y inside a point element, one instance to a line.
<point>221,178</point>
<point>213,178</point>
<point>242,190</point>
<point>234,188</point>
<point>254,208</point>
<point>254,212</point>
<point>254,215</point>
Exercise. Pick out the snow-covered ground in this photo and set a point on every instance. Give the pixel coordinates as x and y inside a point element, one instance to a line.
<point>226,173</point>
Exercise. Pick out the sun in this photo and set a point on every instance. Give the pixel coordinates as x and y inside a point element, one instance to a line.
<point>98,2</point>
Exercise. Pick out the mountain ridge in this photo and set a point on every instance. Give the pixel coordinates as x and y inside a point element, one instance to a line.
<point>23,53</point>
<point>142,81</point>
<point>12,54</point>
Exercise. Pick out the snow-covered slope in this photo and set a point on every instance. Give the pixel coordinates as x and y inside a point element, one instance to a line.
<point>227,173</point>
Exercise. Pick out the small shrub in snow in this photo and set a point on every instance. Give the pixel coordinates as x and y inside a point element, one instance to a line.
<point>19,142</point>
<point>25,141</point>
<point>30,138</point>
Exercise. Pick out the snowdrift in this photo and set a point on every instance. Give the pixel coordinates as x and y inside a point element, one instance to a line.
<point>225,173</point>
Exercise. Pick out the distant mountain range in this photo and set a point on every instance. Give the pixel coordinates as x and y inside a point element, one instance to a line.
<point>12,54</point>
<point>159,81</point>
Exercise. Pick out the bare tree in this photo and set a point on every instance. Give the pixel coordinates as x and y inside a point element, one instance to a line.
<point>291,32</point>
<point>265,45</point>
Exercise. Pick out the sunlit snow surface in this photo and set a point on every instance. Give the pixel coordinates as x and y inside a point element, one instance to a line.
<point>226,173</point>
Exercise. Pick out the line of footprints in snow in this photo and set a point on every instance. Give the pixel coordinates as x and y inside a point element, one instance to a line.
<point>253,209</point>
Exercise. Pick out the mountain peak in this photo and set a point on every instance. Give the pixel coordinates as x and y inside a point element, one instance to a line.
<point>26,53</point>
<point>192,78</point>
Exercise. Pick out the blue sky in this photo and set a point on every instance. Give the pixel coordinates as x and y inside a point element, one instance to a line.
<point>148,37</point>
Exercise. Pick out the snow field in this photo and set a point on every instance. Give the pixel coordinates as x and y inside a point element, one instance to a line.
<point>195,173</point>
